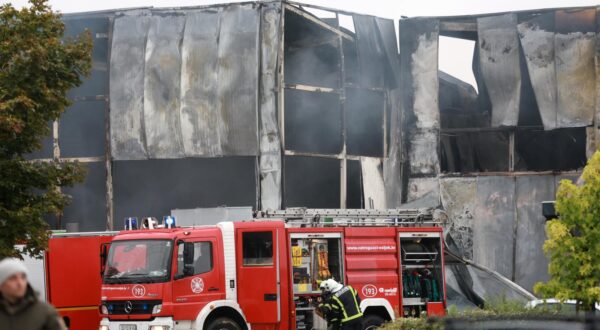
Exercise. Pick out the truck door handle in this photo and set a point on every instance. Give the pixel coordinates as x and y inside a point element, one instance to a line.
<point>270,296</point>
<point>213,289</point>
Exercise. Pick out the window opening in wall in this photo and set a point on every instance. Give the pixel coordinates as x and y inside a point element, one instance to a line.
<point>346,22</point>
<point>559,149</point>
<point>322,14</point>
<point>457,85</point>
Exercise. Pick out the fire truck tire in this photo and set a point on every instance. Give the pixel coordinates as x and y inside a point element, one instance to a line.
<point>223,323</point>
<point>371,322</point>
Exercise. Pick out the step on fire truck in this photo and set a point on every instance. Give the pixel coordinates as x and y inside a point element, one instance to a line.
<point>265,273</point>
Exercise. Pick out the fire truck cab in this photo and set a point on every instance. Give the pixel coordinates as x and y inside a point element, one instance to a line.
<point>265,273</point>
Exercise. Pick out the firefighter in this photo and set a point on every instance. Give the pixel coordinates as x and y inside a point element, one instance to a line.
<point>329,310</point>
<point>346,299</point>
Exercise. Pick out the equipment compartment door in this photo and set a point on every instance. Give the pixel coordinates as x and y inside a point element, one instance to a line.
<point>258,277</point>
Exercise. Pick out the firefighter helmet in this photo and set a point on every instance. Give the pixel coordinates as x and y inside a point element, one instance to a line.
<point>331,285</point>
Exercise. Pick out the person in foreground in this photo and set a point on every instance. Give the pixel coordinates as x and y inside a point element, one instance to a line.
<point>20,307</point>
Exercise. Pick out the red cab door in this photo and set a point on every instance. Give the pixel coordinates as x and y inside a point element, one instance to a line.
<point>197,279</point>
<point>257,263</point>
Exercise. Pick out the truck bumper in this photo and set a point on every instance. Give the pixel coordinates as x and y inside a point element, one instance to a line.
<point>166,322</point>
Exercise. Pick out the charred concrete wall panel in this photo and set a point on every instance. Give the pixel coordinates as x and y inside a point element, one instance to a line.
<point>201,120</point>
<point>458,197</point>
<point>270,143</point>
<point>200,82</point>
<point>494,224</point>
<point>531,265</point>
<point>537,41</point>
<point>371,52</point>
<point>238,78</point>
<point>419,65</point>
<point>162,77</point>
<point>127,86</point>
<point>499,60</point>
<point>575,68</point>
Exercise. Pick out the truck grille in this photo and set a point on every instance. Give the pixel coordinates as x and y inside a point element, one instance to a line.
<point>131,307</point>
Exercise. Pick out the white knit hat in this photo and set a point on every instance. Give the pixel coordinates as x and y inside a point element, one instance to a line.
<point>9,267</point>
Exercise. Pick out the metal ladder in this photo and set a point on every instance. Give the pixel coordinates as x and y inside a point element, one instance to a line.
<point>303,217</point>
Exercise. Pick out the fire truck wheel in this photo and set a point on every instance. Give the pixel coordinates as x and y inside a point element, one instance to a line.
<point>371,322</point>
<point>223,323</point>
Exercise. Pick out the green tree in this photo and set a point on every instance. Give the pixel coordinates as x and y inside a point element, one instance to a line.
<point>573,243</point>
<point>37,68</point>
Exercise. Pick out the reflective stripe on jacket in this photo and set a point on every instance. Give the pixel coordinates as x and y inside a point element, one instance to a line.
<point>349,303</point>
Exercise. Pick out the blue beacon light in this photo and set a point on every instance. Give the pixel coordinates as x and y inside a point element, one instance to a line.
<point>169,221</point>
<point>131,223</point>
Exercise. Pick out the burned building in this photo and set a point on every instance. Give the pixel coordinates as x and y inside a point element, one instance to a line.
<point>281,104</point>
<point>503,150</point>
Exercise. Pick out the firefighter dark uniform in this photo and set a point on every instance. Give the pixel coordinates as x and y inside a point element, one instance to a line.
<point>331,313</point>
<point>348,302</point>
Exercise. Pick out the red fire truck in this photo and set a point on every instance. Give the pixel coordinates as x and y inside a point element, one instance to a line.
<point>265,273</point>
<point>69,276</point>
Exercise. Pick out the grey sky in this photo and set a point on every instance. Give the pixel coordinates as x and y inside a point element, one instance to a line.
<point>455,55</point>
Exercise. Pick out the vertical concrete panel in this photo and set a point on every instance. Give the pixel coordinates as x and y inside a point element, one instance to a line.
<point>162,81</point>
<point>531,265</point>
<point>127,86</point>
<point>537,41</point>
<point>419,57</point>
<point>494,224</point>
<point>459,197</point>
<point>500,66</point>
<point>270,143</point>
<point>420,88</point>
<point>575,49</point>
<point>238,79</point>
<point>423,192</point>
<point>423,152</point>
<point>201,121</point>
<point>371,52</point>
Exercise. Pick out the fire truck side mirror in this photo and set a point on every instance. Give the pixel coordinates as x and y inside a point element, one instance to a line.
<point>188,259</point>
<point>103,256</point>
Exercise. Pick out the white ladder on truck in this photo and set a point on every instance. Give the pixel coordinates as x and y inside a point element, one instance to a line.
<point>304,217</point>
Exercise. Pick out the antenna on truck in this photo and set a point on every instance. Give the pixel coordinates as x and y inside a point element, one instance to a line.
<point>304,217</point>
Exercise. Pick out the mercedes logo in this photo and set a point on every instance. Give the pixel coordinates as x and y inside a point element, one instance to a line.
<point>128,307</point>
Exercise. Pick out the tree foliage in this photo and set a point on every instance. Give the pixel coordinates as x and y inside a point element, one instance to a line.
<point>37,68</point>
<point>573,243</point>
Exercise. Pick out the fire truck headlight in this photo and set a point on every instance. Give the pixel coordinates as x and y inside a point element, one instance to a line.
<point>103,310</point>
<point>157,309</point>
<point>159,327</point>
<point>103,327</point>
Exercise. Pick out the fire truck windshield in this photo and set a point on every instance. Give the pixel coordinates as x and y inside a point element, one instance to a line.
<point>138,261</point>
